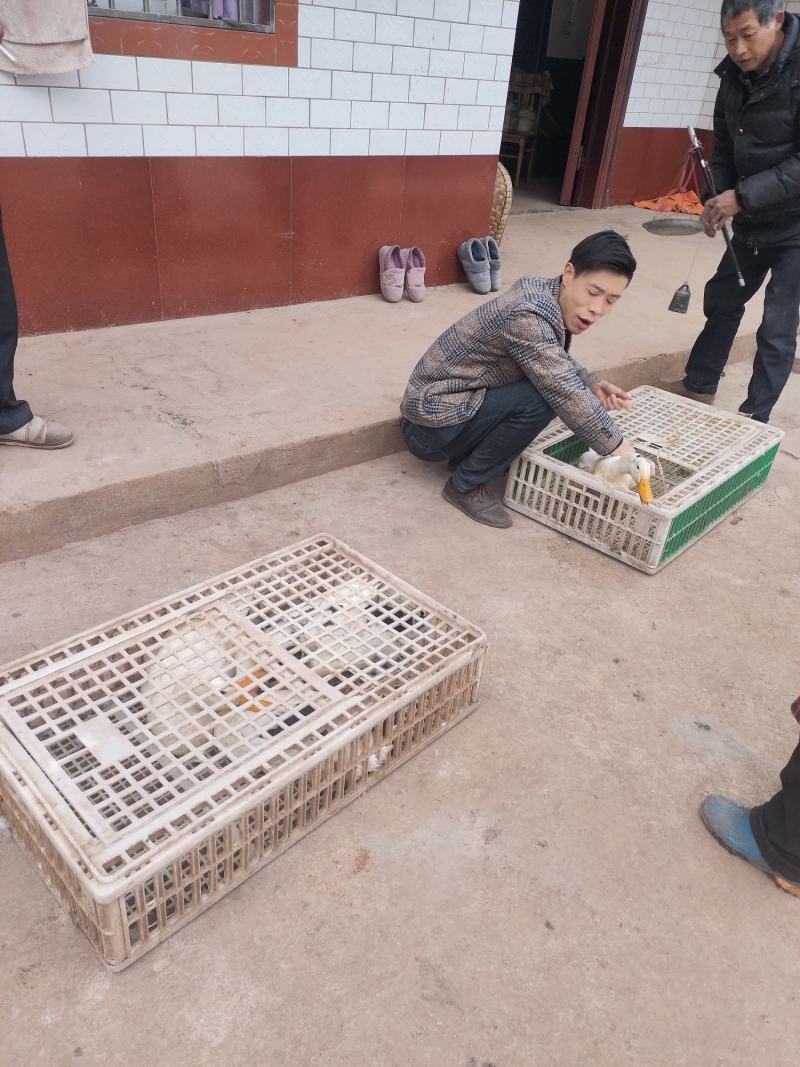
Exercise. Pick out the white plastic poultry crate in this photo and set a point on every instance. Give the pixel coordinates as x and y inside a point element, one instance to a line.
<point>150,766</point>
<point>706,462</point>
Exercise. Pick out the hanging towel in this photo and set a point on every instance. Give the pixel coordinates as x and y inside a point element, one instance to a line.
<point>45,36</point>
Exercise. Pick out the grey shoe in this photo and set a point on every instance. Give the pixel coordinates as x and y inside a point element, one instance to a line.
<point>475,261</point>
<point>479,503</point>
<point>39,433</point>
<point>493,252</point>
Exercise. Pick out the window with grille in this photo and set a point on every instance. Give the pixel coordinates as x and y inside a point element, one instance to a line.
<point>227,14</point>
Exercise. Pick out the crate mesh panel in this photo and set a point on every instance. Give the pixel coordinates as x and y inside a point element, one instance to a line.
<point>158,718</point>
<point>691,434</point>
<point>156,726</point>
<point>695,520</point>
<point>705,462</point>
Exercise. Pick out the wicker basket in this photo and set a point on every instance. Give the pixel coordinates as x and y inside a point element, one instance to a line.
<point>501,202</point>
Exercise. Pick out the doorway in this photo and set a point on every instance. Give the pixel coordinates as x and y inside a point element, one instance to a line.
<point>580,55</point>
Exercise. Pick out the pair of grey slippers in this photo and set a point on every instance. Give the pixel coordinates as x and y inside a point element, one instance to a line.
<point>480,258</point>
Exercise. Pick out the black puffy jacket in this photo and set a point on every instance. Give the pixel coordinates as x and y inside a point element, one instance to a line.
<point>757,144</point>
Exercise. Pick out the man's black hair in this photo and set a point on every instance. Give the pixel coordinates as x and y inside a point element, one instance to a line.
<point>765,10</point>
<point>606,250</point>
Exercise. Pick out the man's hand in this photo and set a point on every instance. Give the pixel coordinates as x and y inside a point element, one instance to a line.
<point>719,209</point>
<point>611,396</point>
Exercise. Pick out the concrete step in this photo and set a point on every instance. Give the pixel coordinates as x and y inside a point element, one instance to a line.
<point>184,414</point>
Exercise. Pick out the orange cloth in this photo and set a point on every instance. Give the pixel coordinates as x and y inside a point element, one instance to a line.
<point>688,203</point>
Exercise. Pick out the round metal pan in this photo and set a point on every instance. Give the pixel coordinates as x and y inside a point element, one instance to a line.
<point>674,225</point>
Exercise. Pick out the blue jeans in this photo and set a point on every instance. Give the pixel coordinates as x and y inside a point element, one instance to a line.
<point>505,424</point>
<point>776,339</point>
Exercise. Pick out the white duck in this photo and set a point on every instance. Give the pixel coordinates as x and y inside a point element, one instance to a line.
<point>628,472</point>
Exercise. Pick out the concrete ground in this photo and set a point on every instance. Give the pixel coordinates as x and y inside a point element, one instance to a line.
<point>536,889</point>
<point>182,414</point>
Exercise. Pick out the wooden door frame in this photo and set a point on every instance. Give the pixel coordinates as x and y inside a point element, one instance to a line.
<point>575,153</point>
<point>619,105</point>
<point>593,191</point>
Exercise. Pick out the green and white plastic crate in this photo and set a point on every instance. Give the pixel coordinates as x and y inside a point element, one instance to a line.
<point>706,463</point>
<point>151,765</point>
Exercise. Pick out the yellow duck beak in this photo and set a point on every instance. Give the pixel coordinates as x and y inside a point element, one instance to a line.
<point>645,490</point>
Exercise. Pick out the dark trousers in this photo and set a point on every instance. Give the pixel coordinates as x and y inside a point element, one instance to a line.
<point>776,824</point>
<point>13,413</point>
<point>505,424</point>
<point>723,306</point>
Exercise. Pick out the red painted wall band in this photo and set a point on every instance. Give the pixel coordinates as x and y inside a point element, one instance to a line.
<point>101,242</point>
<point>648,161</point>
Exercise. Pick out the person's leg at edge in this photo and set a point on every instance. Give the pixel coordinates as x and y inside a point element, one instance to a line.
<point>776,824</point>
<point>13,413</point>
<point>767,835</point>
<point>18,425</point>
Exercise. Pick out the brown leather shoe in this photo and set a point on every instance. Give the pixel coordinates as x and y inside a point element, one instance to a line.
<point>679,389</point>
<point>479,503</point>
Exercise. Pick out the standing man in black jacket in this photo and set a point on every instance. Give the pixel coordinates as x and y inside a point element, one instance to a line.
<point>756,168</point>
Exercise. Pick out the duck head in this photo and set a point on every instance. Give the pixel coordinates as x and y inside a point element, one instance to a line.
<point>643,474</point>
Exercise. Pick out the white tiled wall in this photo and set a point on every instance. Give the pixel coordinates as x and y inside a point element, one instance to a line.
<point>375,77</point>
<point>673,81</point>
<point>705,116</point>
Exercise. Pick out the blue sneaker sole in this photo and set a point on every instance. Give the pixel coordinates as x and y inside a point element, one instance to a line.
<point>792,888</point>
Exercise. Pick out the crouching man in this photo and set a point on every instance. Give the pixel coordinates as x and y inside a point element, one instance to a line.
<point>492,382</point>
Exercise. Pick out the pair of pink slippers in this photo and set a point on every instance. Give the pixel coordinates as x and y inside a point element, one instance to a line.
<point>401,268</point>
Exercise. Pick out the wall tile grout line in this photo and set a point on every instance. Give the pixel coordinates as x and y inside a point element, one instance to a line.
<point>159,285</point>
